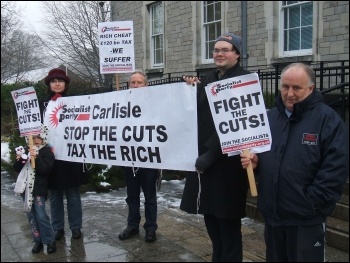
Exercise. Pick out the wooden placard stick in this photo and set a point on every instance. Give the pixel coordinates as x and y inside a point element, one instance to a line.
<point>32,158</point>
<point>250,173</point>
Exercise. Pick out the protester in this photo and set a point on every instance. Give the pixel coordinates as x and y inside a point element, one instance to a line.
<point>66,177</point>
<point>302,177</point>
<point>34,197</point>
<point>219,189</point>
<point>138,178</point>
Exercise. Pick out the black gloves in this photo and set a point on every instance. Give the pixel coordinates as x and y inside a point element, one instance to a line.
<point>205,160</point>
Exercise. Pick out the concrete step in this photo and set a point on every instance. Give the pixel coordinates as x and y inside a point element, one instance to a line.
<point>337,225</point>
<point>341,210</point>
<point>337,233</point>
<point>251,208</point>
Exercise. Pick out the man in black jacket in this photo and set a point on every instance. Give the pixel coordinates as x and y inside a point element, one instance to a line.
<point>219,190</point>
<point>138,178</point>
<point>302,177</point>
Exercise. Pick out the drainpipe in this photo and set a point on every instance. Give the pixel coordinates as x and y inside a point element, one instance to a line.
<point>244,55</point>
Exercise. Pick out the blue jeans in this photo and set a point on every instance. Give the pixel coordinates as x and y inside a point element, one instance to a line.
<point>74,209</point>
<point>144,179</point>
<point>39,221</point>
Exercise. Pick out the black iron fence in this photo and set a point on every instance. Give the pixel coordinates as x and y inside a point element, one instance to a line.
<point>332,79</point>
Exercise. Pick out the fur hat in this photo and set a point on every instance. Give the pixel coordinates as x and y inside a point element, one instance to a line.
<point>56,73</point>
<point>43,134</point>
<point>236,41</point>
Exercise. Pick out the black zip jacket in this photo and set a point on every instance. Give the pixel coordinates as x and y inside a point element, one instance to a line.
<point>302,177</point>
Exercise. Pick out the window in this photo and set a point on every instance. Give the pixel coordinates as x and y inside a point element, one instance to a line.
<point>296,28</point>
<point>211,27</point>
<point>157,21</point>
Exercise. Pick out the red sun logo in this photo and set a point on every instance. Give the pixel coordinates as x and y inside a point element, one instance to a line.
<point>54,117</point>
<point>213,90</point>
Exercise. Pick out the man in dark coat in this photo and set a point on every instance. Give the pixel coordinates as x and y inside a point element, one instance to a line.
<point>219,189</point>
<point>138,178</point>
<point>302,177</point>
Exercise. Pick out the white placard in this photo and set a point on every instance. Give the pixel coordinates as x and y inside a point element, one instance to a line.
<point>116,47</point>
<point>28,111</point>
<point>239,113</point>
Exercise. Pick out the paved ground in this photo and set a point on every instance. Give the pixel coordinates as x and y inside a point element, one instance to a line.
<point>181,237</point>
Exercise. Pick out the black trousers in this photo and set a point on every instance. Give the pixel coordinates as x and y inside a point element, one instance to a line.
<point>295,243</point>
<point>226,238</point>
<point>145,179</point>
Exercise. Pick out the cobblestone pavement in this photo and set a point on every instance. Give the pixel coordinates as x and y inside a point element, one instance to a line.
<point>180,237</point>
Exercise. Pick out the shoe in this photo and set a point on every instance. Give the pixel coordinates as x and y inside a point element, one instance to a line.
<point>128,232</point>
<point>51,248</point>
<point>76,233</point>
<point>150,236</point>
<point>38,246</point>
<point>59,234</point>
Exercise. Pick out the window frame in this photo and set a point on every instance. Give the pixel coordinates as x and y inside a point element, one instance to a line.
<point>282,30</point>
<point>155,36</point>
<point>207,43</point>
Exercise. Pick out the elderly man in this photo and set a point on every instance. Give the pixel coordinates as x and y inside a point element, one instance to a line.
<point>302,177</point>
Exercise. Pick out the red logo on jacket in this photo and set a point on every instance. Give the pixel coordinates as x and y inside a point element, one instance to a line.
<point>310,139</point>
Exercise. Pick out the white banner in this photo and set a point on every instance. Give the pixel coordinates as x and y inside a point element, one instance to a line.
<point>238,109</point>
<point>116,47</point>
<point>28,111</point>
<point>153,127</point>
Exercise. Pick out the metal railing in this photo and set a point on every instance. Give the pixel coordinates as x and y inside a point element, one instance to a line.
<point>332,77</point>
<point>339,100</point>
